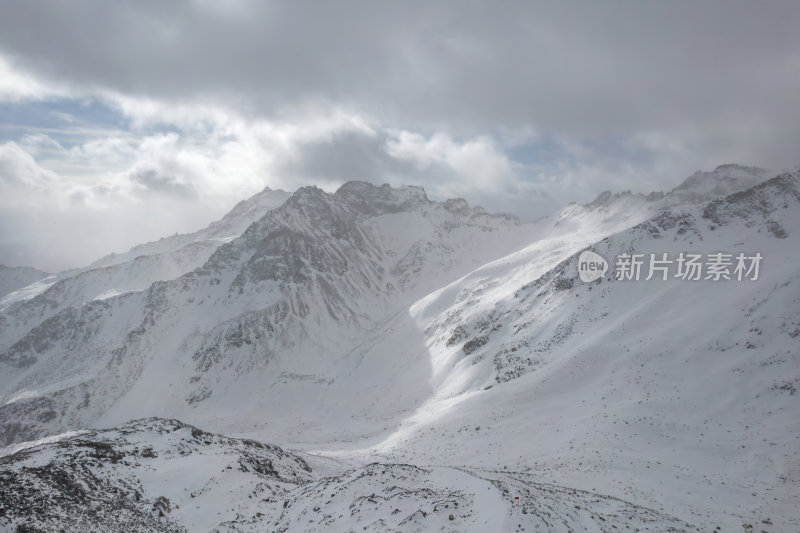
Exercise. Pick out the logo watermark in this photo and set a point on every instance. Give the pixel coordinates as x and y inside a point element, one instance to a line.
<point>591,266</point>
<point>684,266</point>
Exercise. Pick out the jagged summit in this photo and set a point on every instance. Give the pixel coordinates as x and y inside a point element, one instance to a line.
<point>723,180</point>
<point>373,200</point>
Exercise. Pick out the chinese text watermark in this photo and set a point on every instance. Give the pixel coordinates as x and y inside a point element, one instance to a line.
<point>663,266</point>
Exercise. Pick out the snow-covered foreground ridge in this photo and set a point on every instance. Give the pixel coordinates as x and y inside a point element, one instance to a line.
<point>163,475</point>
<point>458,350</point>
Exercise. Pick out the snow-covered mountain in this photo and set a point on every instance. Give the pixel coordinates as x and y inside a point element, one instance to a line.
<point>459,350</point>
<point>625,209</point>
<point>680,392</point>
<point>285,301</point>
<point>137,269</point>
<point>228,227</point>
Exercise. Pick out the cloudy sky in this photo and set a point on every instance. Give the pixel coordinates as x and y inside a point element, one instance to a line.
<point>121,122</point>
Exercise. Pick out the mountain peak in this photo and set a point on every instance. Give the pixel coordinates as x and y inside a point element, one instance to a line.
<point>723,180</point>
<point>262,201</point>
<point>309,196</point>
<point>607,198</point>
<point>736,167</point>
<point>373,200</point>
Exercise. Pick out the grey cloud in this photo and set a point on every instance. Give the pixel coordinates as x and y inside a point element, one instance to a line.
<point>154,181</point>
<point>365,156</point>
<point>590,69</point>
<point>347,155</point>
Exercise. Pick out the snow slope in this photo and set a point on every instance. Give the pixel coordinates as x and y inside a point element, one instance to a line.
<point>680,394</point>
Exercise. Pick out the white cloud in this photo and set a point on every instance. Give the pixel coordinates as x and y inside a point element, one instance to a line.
<point>39,142</point>
<point>19,171</point>
<point>157,183</point>
<point>475,166</point>
<point>16,86</point>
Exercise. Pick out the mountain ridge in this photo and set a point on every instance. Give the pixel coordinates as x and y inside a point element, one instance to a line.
<point>123,479</point>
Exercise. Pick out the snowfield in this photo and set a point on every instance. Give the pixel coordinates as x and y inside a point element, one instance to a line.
<point>416,366</point>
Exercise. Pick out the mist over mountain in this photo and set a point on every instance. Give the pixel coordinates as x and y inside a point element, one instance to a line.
<point>14,278</point>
